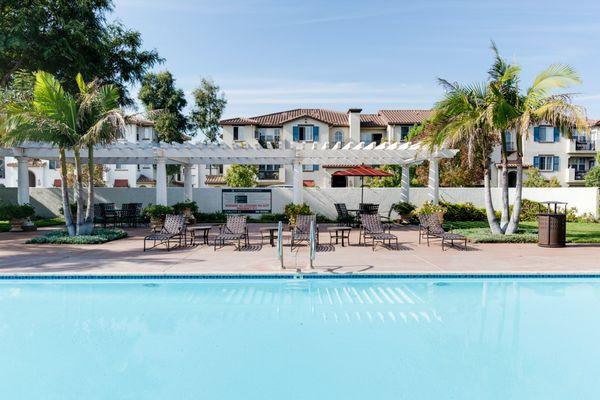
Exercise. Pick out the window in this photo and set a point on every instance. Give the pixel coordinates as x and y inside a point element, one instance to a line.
<point>545,134</point>
<point>238,133</point>
<point>402,133</point>
<point>268,172</point>
<point>305,133</point>
<point>269,136</point>
<point>310,167</point>
<point>214,169</point>
<point>546,163</point>
<point>119,166</point>
<point>338,136</point>
<point>581,163</point>
<point>52,164</point>
<point>510,144</point>
<point>137,133</point>
<point>2,173</point>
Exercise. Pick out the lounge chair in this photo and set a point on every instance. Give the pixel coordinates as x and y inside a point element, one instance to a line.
<point>235,229</point>
<point>430,226</point>
<point>344,218</point>
<point>301,231</point>
<point>173,229</point>
<point>373,229</point>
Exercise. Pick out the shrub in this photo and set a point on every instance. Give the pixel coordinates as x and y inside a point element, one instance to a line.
<point>535,179</point>
<point>178,208</point>
<point>217,217</point>
<point>323,219</point>
<point>293,210</point>
<point>592,178</point>
<point>16,211</point>
<point>529,210</point>
<point>404,208</point>
<point>241,175</point>
<point>463,212</point>
<point>99,235</point>
<point>429,208</point>
<point>272,218</point>
<point>157,211</point>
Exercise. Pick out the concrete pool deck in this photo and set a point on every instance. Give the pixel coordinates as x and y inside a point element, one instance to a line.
<point>124,257</point>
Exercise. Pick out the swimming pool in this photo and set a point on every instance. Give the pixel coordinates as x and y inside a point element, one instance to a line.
<point>300,339</point>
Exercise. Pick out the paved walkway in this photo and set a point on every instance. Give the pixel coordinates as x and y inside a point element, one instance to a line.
<point>126,257</point>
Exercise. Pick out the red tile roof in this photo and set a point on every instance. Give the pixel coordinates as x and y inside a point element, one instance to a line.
<point>308,183</point>
<point>57,183</point>
<point>144,179</point>
<point>399,117</point>
<point>121,183</point>
<point>372,121</point>
<point>214,180</point>
<point>333,118</point>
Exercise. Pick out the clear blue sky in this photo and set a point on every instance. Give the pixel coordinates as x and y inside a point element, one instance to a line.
<point>270,55</point>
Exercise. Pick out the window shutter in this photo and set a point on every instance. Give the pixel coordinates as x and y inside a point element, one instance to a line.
<point>256,134</point>
<point>556,134</point>
<point>315,133</point>
<point>536,134</point>
<point>536,162</point>
<point>296,134</point>
<point>556,162</point>
<point>315,167</point>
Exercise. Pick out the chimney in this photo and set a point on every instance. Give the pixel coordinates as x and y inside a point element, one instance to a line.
<point>354,123</point>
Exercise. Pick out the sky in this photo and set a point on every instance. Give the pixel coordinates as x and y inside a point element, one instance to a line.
<point>274,55</point>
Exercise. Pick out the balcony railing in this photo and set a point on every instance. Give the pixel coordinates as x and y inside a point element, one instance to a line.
<point>580,175</point>
<point>268,175</point>
<point>585,146</point>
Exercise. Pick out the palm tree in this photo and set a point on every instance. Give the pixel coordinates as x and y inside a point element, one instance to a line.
<point>69,122</point>
<point>480,114</point>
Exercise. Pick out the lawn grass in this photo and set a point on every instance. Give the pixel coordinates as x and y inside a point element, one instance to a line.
<point>478,232</point>
<point>99,235</point>
<point>40,223</point>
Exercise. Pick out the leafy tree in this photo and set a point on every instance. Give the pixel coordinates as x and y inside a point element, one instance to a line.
<point>165,103</point>
<point>208,109</point>
<point>97,176</point>
<point>66,37</point>
<point>535,179</point>
<point>241,176</point>
<point>592,179</point>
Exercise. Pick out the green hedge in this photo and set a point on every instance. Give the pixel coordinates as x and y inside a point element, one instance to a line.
<point>99,235</point>
<point>463,212</point>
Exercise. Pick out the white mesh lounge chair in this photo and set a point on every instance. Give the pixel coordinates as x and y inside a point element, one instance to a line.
<point>172,230</point>
<point>235,230</point>
<point>373,229</point>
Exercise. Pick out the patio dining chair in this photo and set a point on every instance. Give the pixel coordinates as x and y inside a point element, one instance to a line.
<point>430,226</point>
<point>173,229</point>
<point>234,230</point>
<point>344,218</point>
<point>373,229</point>
<point>301,231</point>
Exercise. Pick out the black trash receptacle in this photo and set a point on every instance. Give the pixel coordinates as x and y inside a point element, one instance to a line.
<point>552,225</point>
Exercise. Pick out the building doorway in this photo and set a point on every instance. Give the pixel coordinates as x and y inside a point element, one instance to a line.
<point>31,179</point>
<point>339,181</point>
<point>512,178</point>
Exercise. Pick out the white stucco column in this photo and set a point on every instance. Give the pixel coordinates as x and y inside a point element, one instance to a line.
<point>434,181</point>
<point>201,175</point>
<point>23,180</point>
<point>187,182</point>
<point>405,187</point>
<point>161,181</point>
<point>297,182</point>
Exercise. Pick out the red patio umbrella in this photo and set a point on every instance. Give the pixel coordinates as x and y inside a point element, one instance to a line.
<point>362,171</point>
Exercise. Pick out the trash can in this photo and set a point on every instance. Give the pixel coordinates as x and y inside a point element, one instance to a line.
<point>552,224</point>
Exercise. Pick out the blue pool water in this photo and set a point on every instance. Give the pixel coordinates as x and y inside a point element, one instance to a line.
<point>300,339</point>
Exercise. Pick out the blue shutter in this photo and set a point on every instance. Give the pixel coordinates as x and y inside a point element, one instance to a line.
<point>536,134</point>
<point>556,162</point>
<point>315,167</point>
<point>315,133</point>
<point>536,162</point>
<point>296,134</point>
<point>556,134</point>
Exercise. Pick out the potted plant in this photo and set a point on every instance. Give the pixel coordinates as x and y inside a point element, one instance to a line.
<point>157,214</point>
<point>187,208</point>
<point>428,208</point>
<point>18,215</point>
<point>293,210</point>
<point>404,210</point>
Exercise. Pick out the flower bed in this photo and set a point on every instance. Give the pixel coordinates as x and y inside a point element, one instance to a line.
<point>98,236</point>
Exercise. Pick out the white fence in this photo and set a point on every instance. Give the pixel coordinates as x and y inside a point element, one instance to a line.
<point>47,201</point>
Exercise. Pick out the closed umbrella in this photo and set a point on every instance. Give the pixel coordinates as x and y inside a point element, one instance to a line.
<point>362,171</point>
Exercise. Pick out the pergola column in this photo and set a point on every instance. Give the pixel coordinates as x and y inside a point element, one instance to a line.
<point>187,182</point>
<point>161,181</point>
<point>201,175</point>
<point>434,181</point>
<point>405,184</point>
<point>297,182</point>
<point>23,180</point>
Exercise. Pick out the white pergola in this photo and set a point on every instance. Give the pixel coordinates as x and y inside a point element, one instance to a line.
<point>188,154</point>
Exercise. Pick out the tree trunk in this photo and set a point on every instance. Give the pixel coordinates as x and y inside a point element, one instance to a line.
<point>505,215</point>
<point>81,228</point>
<point>489,206</point>
<point>513,225</point>
<point>65,193</point>
<point>89,216</point>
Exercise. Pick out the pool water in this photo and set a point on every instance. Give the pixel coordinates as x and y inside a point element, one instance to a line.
<point>300,339</point>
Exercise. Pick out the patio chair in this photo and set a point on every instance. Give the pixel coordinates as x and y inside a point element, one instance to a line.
<point>107,214</point>
<point>344,218</point>
<point>301,231</point>
<point>368,208</point>
<point>131,213</point>
<point>173,229</point>
<point>373,229</point>
<point>430,226</point>
<point>235,229</point>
